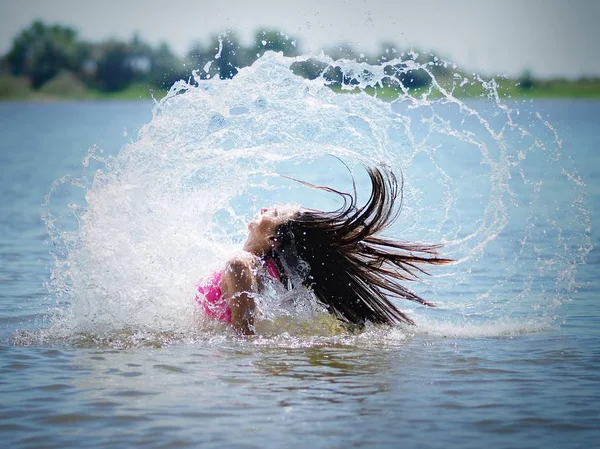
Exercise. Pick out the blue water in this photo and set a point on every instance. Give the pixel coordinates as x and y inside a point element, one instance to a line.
<point>510,358</point>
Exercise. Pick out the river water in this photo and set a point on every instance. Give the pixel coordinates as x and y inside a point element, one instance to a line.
<point>111,211</point>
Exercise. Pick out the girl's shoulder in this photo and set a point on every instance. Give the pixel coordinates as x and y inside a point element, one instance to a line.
<point>243,260</point>
<point>246,258</point>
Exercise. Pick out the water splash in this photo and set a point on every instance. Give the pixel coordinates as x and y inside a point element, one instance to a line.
<point>480,176</point>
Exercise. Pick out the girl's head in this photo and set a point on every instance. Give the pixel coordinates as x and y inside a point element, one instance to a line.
<point>262,230</point>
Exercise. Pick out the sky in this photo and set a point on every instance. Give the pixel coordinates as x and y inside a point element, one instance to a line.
<point>491,37</point>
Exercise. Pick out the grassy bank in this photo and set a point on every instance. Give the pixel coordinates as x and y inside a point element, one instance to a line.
<point>66,87</point>
<point>69,88</point>
<point>505,88</point>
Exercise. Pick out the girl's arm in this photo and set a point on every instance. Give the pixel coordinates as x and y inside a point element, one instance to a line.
<point>237,286</point>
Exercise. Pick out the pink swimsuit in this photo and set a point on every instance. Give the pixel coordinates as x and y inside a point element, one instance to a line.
<point>209,293</point>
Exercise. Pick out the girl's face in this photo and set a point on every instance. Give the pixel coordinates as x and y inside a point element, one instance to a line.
<point>265,223</point>
<point>264,226</point>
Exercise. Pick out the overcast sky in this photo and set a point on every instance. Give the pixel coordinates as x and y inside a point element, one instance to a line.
<point>549,37</point>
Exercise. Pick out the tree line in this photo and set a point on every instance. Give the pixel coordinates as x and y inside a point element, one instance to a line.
<point>41,52</point>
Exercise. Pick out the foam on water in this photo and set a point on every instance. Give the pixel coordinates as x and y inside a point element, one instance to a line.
<point>172,206</point>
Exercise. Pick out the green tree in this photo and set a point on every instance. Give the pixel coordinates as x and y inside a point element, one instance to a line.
<point>277,41</point>
<point>227,48</point>
<point>114,71</point>
<point>405,68</point>
<point>41,52</point>
<point>198,57</point>
<point>222,57</point>
<point>526,80</point>
<point>310,69</point>
<point>334,74</point>
<point>166,67</point>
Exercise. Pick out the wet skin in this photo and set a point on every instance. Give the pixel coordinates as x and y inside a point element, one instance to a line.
<point>240,279</point>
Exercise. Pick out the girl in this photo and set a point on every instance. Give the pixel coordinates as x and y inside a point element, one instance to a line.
<point>338,255</point>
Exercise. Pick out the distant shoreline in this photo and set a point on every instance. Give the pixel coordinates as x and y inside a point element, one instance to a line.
<point>13,89</point>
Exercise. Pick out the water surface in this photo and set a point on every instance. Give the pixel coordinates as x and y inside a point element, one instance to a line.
<point>510,358</point>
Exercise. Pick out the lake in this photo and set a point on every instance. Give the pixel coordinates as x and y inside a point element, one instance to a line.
<point>101,344</point>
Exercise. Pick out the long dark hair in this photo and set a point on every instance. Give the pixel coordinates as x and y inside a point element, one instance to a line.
<point>341,258</point>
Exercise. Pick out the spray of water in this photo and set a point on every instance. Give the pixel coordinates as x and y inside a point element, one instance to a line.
<point>172,206</point>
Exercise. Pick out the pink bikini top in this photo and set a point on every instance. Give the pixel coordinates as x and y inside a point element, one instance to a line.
<point>208,293</point>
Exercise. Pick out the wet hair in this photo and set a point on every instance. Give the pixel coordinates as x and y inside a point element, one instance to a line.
<point>340,256</point>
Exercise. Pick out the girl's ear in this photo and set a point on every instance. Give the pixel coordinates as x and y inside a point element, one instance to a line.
<point>274,241</point>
